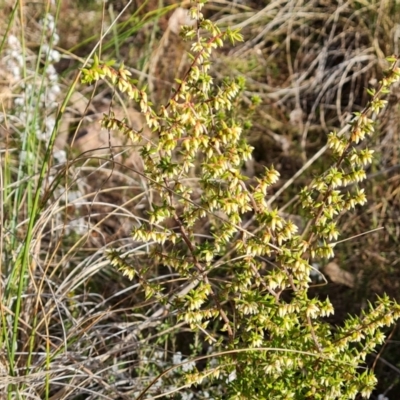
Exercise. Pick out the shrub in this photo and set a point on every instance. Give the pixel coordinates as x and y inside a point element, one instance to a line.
<point>247,284</point>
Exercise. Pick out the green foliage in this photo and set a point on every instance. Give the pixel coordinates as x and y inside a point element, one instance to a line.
<point>272,339</point>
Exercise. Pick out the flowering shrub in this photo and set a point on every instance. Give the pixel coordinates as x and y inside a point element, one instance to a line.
<point>247,284</point>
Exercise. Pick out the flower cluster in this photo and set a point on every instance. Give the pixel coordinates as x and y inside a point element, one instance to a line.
<point>39,88</point>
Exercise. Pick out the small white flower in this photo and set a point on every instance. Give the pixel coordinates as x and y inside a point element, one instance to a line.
<point>188,366</point>
<point>55,56</point>
<point>51,70</point>
<point>186,396</point>
<point>45,48</point>
<point>53,77</point>
<point>19,101</point>
<point>232,376</point>
<point>177,358</point>
<point>55,89</point>
<point>60,156</point>
<point>159,355</point>
<point>26,157</point>
<point>16,57</point>
<point>78,226</point>
<point>51,55</point>
<point>48,22</point>
<point>49,126</point>
<point>14,42</point>
<point>56,38</point>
